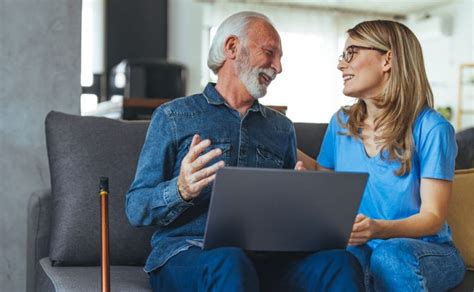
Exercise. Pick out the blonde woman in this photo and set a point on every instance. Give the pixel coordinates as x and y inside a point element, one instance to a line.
<point>400,235</point>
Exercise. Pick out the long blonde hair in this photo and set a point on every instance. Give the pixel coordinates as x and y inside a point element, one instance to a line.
<point>405,94</point>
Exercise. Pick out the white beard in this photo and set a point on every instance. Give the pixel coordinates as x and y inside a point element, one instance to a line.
<point>250,75</point>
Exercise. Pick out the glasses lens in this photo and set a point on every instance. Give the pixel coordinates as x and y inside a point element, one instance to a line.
<point>348,54</point>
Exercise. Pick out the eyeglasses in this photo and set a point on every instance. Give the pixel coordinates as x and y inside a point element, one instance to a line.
<point>348,53</point>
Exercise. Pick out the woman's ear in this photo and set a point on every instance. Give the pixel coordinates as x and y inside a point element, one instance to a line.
<point>387,61</point>
<point>230,46</point>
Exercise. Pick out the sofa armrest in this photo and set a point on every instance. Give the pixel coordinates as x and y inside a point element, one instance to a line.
<point>37,238</point>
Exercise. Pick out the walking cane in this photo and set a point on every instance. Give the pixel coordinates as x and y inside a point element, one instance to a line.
<point>104,233</point>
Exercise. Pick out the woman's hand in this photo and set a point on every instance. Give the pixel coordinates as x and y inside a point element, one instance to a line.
<point>363,230</point>
<point>300,166</point>
<point>304,161</point>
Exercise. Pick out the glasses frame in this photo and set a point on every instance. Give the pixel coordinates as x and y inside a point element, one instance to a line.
<point>348,54</point>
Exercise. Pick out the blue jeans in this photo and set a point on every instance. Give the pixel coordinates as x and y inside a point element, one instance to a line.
<point>405,264</point>
<point>232,269</point>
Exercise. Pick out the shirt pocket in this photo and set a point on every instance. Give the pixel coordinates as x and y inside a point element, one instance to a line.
<point>267,158</point>
<point>225,156</point>
<point>224,145</point>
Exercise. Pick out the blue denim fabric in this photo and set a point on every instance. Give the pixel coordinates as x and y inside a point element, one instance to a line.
<point>261,138</point>
<point>406,264</point>
<point>231,269</point>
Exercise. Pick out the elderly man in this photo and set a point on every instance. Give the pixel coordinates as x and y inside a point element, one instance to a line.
<point>189,139</point>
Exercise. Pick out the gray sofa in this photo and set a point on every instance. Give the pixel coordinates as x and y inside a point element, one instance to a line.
<point>63,243</point>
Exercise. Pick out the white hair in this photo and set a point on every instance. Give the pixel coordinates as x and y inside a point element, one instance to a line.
<point>236,25</point>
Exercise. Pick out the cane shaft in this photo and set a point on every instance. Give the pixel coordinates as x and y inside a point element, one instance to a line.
<point>104,236</point>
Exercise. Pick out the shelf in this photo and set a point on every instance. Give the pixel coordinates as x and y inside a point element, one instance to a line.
<point>465,95</point>
<point>144,102</point>
<point>142,108</point>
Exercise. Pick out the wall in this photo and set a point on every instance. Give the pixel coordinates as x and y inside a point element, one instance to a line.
<point>39,72</point>
<point>185,29</point>
<point>189,21</point>
<point>446,48</point>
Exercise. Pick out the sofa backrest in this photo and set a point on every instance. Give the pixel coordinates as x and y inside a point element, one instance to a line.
<point>309,137</point>
<point>80,151</point>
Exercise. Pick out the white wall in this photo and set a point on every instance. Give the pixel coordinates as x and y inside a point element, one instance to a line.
<point>188,24</point>
<point>185,29</point>
<point>444,50</point>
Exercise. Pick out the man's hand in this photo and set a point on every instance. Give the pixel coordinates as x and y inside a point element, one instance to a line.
<point>363,230</point>
<point>193,177</point>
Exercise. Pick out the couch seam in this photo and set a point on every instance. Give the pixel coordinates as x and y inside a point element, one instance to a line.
<point>51,278</point>
<point>36,240</point>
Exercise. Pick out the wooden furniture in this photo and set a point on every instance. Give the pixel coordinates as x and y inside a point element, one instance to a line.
<point>465,94</point>
<point>142,108</point>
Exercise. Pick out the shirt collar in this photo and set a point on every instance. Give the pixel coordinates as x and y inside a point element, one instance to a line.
<point>213,97</point>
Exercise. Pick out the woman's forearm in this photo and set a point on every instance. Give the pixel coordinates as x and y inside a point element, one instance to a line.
<point>418,225</point>
<point>309,163</point>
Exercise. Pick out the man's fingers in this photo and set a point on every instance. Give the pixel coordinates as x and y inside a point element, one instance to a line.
<point>196,139</point>
<point>202,160</point>
<point>208,171</point>
<point>204,182</point>
<point>197,181</point>
<point>196,150</point>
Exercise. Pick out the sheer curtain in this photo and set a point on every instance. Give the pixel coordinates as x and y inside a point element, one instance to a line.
<point>310,85</point>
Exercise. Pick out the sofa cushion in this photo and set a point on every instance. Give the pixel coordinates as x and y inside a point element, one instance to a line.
<point>65,279</point>
<point>80,151</point>
<point>461,215</point>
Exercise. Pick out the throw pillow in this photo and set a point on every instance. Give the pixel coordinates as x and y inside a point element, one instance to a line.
<point>461,216</point>
<point>80,151</point>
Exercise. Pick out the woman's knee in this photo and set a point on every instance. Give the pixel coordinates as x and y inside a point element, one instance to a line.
<point>393,256</point>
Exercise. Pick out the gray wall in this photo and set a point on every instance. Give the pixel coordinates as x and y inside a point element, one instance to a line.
<point>39,72</point>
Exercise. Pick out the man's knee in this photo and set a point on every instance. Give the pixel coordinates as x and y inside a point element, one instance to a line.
<point>228,269</point>
<point>230,259</point>
<point>342,259</point>
<point>336,270</point>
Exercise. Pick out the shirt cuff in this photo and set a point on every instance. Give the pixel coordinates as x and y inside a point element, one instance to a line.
<point>173,199</point>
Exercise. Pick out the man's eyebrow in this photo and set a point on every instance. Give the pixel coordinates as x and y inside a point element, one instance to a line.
<point>273,47</point>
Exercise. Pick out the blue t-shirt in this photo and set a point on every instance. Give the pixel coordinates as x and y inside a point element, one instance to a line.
<point>388,196</point>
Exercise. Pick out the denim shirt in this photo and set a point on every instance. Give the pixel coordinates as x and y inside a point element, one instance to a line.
<point>261,138</point>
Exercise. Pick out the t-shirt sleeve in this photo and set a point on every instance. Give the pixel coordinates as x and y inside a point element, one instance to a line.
<point>327,154</point>
<point>438,151</point>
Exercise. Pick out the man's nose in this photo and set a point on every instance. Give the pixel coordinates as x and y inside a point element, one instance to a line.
<point>276,65</point>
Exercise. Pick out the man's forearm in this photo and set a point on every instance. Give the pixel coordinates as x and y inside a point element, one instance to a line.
<point>159,205</point>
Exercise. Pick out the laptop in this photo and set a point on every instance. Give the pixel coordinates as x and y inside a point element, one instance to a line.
<point>282,210</point>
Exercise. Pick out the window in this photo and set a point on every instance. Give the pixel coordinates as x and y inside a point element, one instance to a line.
<point>310,84</point>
